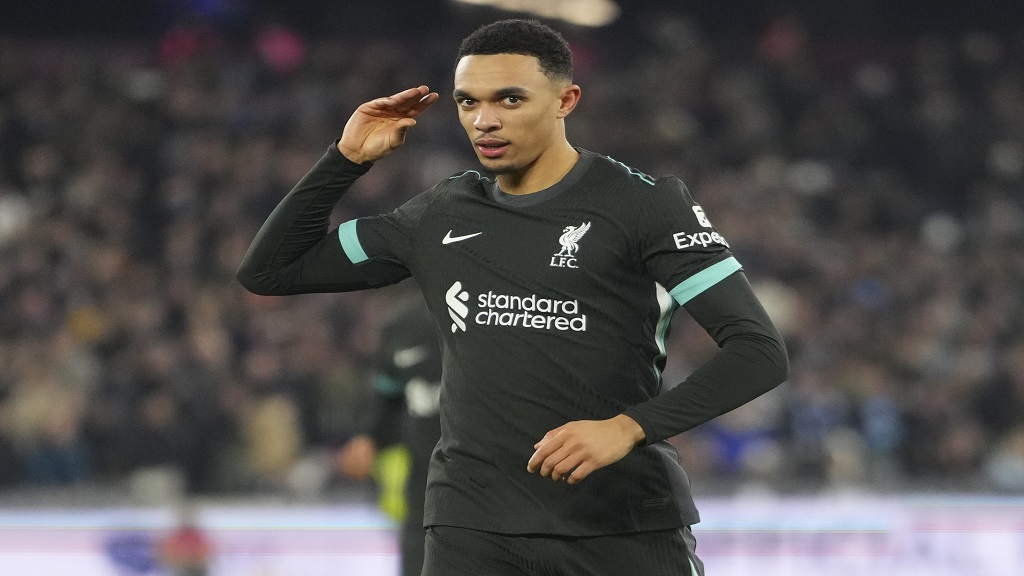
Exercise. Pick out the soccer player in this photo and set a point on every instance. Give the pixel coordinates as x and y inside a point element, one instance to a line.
<point>407,393</point>
<point>553,284</point>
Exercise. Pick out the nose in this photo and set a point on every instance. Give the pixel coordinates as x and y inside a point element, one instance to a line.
<point>486,119</point>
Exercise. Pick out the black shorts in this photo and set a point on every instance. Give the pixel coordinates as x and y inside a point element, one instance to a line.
<point>454,551</point>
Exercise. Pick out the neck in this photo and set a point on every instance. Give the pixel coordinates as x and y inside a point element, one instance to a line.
<point>546,171</point>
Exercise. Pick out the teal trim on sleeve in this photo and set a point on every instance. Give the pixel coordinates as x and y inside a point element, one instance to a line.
<point>350,242</point>
<point>694,285</point>
<point>387,385</point>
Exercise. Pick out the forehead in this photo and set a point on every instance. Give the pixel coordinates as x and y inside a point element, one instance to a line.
<point>485,72</point>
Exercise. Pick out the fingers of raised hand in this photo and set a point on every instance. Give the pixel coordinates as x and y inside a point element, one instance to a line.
<point>414,107</point>
<point>401,101</point>
<point>423,103</point>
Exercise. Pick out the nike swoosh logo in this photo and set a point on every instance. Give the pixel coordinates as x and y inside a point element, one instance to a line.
<point>448,238</point>
<point>408,357</point>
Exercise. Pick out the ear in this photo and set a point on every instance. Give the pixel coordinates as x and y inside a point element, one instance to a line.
<point>569,98</point>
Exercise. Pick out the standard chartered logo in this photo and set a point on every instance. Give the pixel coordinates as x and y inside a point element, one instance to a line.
<point>456,309</point>
<point>532,311</point>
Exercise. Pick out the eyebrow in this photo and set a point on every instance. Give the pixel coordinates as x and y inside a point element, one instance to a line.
<point>499,94</point>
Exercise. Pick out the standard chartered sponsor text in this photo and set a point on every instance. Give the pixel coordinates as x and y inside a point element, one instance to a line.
<point>530,312</point>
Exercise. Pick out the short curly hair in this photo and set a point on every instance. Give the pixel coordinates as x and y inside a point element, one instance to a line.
<point>527,37</point>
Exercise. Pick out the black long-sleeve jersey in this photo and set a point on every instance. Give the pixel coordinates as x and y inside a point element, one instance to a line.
<point>552,307</point>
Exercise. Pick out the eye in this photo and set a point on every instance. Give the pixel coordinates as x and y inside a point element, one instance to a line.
<point>465,102</point>
<point>513,100</point>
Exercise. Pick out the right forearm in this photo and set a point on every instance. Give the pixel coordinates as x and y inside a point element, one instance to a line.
<point>291,254</point>
<point>298,224</point>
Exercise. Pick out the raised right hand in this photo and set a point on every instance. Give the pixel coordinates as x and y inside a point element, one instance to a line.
<point>378,127</point>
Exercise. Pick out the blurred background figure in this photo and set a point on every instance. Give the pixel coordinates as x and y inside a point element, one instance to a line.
<point>407,391</point>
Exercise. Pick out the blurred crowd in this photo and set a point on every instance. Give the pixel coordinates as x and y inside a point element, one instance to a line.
<point>873,191</point>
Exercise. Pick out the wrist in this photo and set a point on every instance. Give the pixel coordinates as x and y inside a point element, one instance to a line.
<point>353,155</point>
<point>631,429</point>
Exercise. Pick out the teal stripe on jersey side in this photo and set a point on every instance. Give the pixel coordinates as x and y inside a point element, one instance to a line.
<point>350,242</point>
<point>694,285</point>
<point>668,307</point>
<point>693,569</point>
<point>387,385</point>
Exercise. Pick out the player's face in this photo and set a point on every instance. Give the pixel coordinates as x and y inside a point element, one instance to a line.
<point>510,109</point>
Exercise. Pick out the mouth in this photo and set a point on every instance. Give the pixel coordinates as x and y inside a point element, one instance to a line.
<point>491,148</point>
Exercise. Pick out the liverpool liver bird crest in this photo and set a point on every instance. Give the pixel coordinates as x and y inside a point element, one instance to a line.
<point>570,237</point>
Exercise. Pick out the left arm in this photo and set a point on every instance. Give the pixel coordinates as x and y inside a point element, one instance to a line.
<point>751,360</point>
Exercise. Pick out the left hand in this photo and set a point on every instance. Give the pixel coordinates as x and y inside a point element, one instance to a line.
<point>574,450</point>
